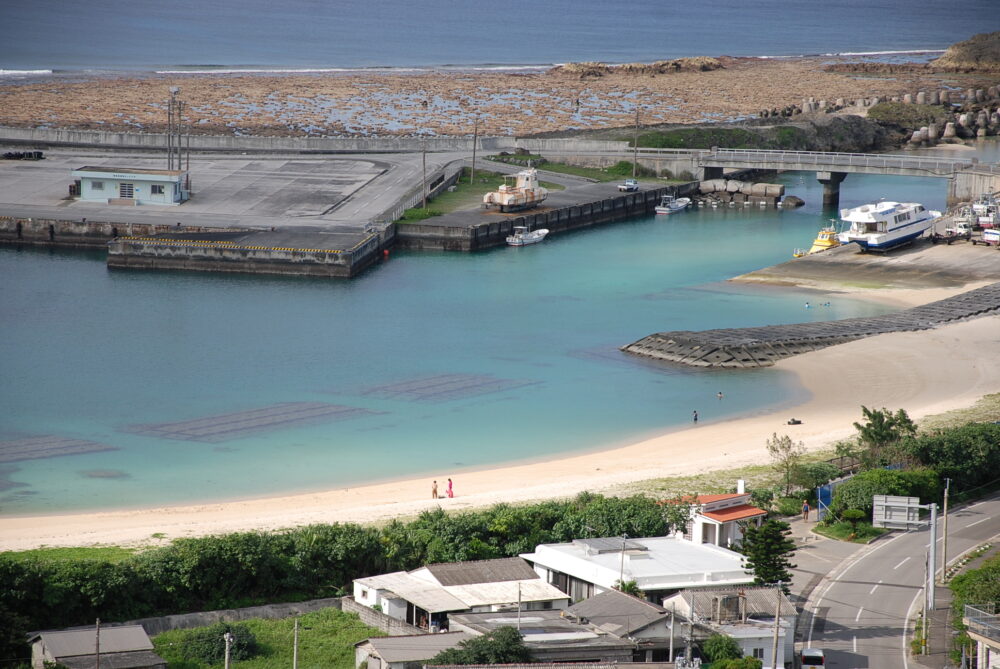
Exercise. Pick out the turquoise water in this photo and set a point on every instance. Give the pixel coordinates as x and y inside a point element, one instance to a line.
<point>87,352</point>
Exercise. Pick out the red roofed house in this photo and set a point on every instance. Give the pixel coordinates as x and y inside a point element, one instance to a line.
<point>716,519</point>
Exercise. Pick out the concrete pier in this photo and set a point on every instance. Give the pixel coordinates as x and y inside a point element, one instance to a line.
<point>763,346</point>
<point>831,188</point>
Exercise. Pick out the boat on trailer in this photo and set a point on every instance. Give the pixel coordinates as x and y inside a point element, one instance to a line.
<point>885,225</point>
<point>519,191</point>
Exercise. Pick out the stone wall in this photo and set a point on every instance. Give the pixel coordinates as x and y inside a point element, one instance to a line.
<point>154,626</point>
<point>379,620</point>
<point>84,232</point>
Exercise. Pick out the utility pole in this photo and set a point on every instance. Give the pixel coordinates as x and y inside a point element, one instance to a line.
<point>423,160</point>
<point>295,646</point>
<point>944,542</point>
<point>621,570</point>
<point>928,580</point>
<point>932,558</point>
<point>97,645</point>
<point>635,143</point>
<point>777,624</point>
<point>670,652</point>
<point>518,606</point>
<point>228,638</point>
<point>475,142</point>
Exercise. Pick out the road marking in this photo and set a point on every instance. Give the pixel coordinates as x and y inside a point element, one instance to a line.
<point>901,563</point>
<point>874,587</point>
<point>855,644</point>
<point>860,611</point>
<point>906,628</point>
<point>983,520</point>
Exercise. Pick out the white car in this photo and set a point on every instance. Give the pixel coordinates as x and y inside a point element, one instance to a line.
<point>630,186</point>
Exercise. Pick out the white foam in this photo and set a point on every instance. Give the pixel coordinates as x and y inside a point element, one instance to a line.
<point>21,73</point>
<point>883,53</point>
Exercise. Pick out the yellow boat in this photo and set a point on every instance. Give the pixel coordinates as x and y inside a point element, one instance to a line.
<point>826,239</point>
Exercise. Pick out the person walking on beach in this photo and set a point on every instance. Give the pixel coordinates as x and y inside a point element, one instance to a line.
<point>805,509</point>
<point>719,395</point>
<point>434,490</point>
<point>451,491</point>
<point>694,417</point>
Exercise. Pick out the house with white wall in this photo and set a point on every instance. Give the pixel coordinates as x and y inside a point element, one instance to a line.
<point>425,597</point>
<point>719,519</point>
<point>747,614</point>
<point>131,185</point>
<point>405,652</point>
<point>660,566</point>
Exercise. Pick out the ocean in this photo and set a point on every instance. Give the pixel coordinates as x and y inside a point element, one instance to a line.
<point>114,35</point>
<point>445,361</point>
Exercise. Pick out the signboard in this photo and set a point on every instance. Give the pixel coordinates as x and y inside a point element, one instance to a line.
<point>895,512</point>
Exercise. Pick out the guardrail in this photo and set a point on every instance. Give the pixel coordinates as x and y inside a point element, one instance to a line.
<point>831,158</point>
<point>983,620</point>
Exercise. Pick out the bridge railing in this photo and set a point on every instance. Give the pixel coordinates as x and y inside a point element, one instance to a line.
<point>831,158</point>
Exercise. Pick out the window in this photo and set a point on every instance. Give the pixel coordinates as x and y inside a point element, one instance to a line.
<point>96,185</point>
<point>156,189</point>
<point>758,653</point>
<point>126,191</point>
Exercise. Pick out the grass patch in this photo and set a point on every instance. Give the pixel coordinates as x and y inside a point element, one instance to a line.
<point>465,196</point>
<point>102,553</point>
<point>326,641</point>
<point>843,531</point>
<point>614,173</point>
<point>986,410</point>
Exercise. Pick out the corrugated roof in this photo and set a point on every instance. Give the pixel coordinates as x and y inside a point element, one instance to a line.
<point>429,596</point>
<point>139,659</point>
<point>120,639</point>
<point>482,571</point>
<point>705,499</point>
<point>483,594</point>
<point>617,612</point>
<point>416,647</point>
<point>735,513</point>
<point>129,170</point>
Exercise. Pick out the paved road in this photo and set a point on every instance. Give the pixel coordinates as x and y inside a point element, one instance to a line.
<point>860,609</point>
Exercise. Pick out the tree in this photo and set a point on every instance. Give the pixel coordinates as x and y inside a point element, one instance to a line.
<point>628,587</point>
<point>881,436</point>
<point>503,645</point>
<point>767,549</point>
<point>786,455</point>
<point>721,647</point>
<point>811,475</point>
<point>762,498</point>
<point>209,645</point>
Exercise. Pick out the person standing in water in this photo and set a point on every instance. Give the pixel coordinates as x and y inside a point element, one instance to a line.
<point>694,417</point>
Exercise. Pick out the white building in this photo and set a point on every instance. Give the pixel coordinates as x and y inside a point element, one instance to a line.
<point>716,519</point>
<point>983,626</point>
<point>659,566</point>
<point>744,613</point>
<point>424,597</point>
<point>131,186</point>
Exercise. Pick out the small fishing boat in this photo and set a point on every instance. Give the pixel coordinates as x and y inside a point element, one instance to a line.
<point>826,239</point>
<point>523,237</point>
<point>670,204</point>
<point>885,225</point>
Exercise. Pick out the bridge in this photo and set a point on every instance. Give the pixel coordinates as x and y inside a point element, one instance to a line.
<point>831,167</point>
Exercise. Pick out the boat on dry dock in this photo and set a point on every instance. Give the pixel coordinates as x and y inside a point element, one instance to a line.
<point>885,225</point>
<point>519,191</point>
<point>826,239</point>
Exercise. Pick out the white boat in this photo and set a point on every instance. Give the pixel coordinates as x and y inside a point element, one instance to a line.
<point>519,191</point>
<point>670,204</point>
<point>522,236</point>
<point>885,225</point>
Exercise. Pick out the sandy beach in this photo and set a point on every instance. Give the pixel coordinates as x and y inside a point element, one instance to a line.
<point>925,372</point>
<point>446,103</point>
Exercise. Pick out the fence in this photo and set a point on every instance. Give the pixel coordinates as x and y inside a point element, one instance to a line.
<point>983,620</point>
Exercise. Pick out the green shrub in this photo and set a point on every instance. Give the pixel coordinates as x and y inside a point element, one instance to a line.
<point>762,498</point>
<point>857,493</point>
<point>909,116</point>
<point>208,644</point>
<point>721,647</point>
<point>623,168</point>
<point>811,475</point>
<point>789,506</point>
<point>741,663</point>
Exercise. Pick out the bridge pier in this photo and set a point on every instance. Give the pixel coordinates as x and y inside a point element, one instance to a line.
<point>831,188</point>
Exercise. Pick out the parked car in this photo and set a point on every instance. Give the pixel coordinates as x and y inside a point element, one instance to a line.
<point>813,657</point>
<point>630,186</point>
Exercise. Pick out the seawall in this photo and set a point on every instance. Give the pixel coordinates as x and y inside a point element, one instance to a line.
<point>463,231</point>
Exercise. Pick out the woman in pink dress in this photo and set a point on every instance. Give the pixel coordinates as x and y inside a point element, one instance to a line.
<point>451,492</point>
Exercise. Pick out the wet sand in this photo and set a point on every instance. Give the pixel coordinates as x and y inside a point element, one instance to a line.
<point>442,103</point>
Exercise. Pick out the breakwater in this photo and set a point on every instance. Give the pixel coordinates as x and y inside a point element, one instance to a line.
<point>763,346</point>
<point>84,233</point>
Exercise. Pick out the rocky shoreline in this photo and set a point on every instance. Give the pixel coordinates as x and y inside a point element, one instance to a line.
<point>450,103</point>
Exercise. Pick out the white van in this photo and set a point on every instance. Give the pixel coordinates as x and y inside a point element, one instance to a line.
<point>812,657</point>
